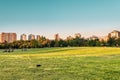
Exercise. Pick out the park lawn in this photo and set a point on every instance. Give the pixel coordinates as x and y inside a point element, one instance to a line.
<point>72,63</point>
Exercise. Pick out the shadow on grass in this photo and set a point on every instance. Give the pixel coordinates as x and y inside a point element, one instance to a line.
<point>39,50</point>
<point>58,50</point>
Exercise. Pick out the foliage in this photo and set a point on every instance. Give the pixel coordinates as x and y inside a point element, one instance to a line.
<point>75,42</point>
<point>112,42</point>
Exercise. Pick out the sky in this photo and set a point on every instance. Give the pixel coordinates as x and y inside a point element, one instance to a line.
<point>66,17</point>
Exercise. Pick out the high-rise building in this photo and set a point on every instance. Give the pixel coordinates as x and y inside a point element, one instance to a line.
<point>38,37</point>
<point>69,38</point>
<point>78,35</point>
<point>23,37</point>
<point>57,38</point>
<point>115,34</point>
<point>0,38</point>
<point>93,37</point>
<point>9,37</point>
<point>31,37</point>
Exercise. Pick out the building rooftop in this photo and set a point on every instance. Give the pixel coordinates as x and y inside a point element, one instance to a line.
<point>115,31</point>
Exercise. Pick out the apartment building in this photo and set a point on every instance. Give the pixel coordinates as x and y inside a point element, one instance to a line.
<point>23,37</point>
<point>31,37</point>
<point>57,37</point>
<point>38,37</point>
<point>9,37</point>
<point>78,35</point>
<point>115,34</point>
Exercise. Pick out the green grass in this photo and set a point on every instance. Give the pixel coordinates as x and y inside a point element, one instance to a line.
<point>77,63</point>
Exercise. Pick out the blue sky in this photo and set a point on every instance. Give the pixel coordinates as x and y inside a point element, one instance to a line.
<point>66,17</point>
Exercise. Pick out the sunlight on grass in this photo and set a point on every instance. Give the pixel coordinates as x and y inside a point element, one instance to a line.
<point>65,52</point>
<point>77,63</point>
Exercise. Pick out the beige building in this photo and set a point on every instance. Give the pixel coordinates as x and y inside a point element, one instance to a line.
<point>9,37</point>
<point>31,37</point>
<point>38,37</point>
<point>115,34</point>
<point>105,38</point>
<point>0,38</point>
<point>78,35</point>
<point>69,38</point>
<point>23,37</point>
<point>93,37</point>
<point>57,37</point>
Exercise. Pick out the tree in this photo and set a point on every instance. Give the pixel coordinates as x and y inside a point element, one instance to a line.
<point>111,42</point>
<point>62,43</point>
<point>118,42</point>
<point>52,43</point>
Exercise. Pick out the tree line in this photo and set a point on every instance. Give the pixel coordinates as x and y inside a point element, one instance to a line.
<point>75,42</point>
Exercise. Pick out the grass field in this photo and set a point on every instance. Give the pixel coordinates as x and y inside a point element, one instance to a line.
<point>77,63</point>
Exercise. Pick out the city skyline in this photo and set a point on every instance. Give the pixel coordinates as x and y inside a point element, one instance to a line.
<point>66,17</point>
<point>11,37</point>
